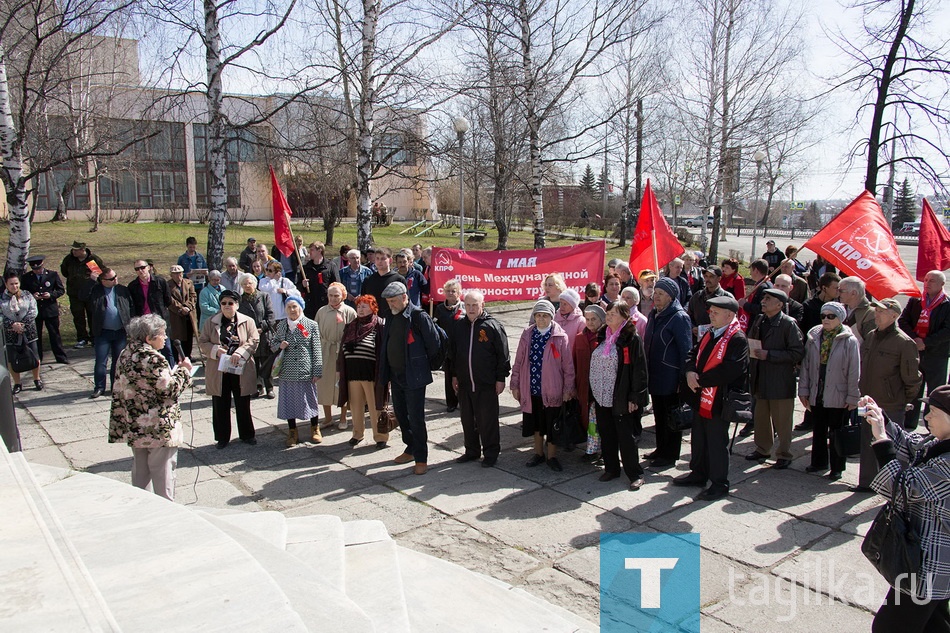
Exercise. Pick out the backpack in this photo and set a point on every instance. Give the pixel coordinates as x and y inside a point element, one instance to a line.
<point>437,356</point>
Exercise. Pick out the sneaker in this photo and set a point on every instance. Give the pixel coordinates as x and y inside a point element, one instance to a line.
<point>80,344</point>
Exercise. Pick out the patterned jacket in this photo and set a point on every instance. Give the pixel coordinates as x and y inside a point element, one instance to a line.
<point>927,484</point>
<point>302,361</point>
<point>145,412</point>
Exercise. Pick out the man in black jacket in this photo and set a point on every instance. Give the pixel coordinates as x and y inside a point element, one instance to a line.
<point>718,363</point>
<point>793,308</point>
<point>698,309</point>
<point>927,321</point>
<point>479,357</point>
<point>318,273</point>
<point>111,309</point>
<point>379,280</point>
<point>76,269</point>
<point>46,287</point>
<point>779,348</point>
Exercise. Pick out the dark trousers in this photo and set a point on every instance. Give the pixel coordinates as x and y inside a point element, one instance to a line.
<point>479,413</point>
<point>934,370</point>
<point>827,421</point>
<point>617,437</point>
<point>81,316</point>
<point>265,365</point>
<point>221,410</point>
<point>710,444</point>
<point>169,353</point>
<point>108,343</point>
<point>668,441</point>
<point>451,398</point>
<point>55,340</point>
<point>409,407</point>
<point>909,617</point>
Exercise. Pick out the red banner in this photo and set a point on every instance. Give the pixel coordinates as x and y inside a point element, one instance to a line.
<point>859,242</point>
<point>654,244</point>
<point>283,239</point>
<point>517,275</point>
<point>933,244</point>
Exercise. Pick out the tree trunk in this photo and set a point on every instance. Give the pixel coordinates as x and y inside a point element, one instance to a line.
<point>364,162</point>
<point>18,246</point>
<point>534,125</point>
<point>880,103</point>
<point>218,193</point>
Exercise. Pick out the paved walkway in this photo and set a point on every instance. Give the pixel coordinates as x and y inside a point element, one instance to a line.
<point>782,550</point>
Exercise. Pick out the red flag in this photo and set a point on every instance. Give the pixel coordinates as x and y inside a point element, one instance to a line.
<point>654,243</point>
<point>283,239</point>
<point>860,243</point>
<point>933,244</point>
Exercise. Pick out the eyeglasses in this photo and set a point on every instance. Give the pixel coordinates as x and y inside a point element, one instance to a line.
<point>227,303</point>
<point>141,267</point>
<point>829,317</point>
<point>108,278</point>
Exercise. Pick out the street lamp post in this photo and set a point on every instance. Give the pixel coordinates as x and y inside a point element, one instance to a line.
<point>759,156</point>
<point>461,126</point>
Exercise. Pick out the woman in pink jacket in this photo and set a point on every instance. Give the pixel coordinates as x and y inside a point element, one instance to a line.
<point>542,379</point>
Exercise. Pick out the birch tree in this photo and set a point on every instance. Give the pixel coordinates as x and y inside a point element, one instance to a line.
<point>40,43</point>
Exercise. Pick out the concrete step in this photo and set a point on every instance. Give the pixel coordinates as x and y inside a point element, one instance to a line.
<point>161,566</point>
<point>317,540</point>
<point>444,596</point>
<point>374,581</point>
<point>320,604</point>
<point>45,584</point>
<point>365,531</point>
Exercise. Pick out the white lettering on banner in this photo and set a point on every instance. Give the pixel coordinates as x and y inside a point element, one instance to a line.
<point>650,569</point>
<point>851,253</point>
<point>518,262</point>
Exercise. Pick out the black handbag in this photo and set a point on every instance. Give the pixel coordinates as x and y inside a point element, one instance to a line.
<point>681,418</point>
<point>23,357</point>
<point>892,545</point>
<point>567,425</point>
<point>847,439</point>
<point>737,407</point>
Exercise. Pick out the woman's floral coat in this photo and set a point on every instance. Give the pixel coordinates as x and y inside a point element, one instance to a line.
<point>145,412</point>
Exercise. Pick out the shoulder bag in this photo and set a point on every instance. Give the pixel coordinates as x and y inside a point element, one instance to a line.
<point>681,418</point>
<point>892,545</point>
<point>22,356</point>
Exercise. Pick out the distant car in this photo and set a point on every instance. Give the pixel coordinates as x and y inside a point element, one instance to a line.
<point>698,221</point>
<point>910,228</point>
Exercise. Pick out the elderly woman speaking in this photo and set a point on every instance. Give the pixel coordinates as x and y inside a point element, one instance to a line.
<point>145,413</point>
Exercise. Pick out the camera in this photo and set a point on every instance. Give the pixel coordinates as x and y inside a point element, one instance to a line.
<point>862,412</point>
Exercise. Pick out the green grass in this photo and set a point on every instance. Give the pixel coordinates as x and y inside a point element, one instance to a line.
<point>120,244</point>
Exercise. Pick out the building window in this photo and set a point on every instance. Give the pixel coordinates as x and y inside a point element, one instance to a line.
<point>241,147</point>
<point>393,150</point>
<point>50,183</point>
<point>149,174</point>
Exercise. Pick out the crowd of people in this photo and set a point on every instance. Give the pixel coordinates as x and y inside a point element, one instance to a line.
<point>351,332</point>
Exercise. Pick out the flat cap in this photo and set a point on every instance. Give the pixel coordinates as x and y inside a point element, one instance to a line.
<point>726,302</point>
<point>888,304</point>
<point>778,294</point>
<point>394,289</point>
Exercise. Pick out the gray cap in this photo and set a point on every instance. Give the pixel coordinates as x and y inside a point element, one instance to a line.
<point>613,263</point>
<point>599,312</point>
<point>888,304</point>
<point>394,289</point>
<point>833,307</point>
<point>543,306</point>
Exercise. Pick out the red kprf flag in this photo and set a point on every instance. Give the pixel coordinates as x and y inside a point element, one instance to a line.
<point>933,244</point>
<point>654,243</point>
<point>860,243</point>
<point>283,239</point>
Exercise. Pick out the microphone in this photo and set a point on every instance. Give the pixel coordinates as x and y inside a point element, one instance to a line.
<point>176,344</point>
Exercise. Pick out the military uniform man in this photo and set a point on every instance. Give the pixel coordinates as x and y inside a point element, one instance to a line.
<point>46,287</point>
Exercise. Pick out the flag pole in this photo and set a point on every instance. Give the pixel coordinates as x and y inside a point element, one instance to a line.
<point>656,257</point>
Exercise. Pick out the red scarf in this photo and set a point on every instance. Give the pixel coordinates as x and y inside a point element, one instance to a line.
<point>708,394</point>
<point>923,323</point>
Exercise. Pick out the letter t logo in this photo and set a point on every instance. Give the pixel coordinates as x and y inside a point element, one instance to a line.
<point>650,578</point>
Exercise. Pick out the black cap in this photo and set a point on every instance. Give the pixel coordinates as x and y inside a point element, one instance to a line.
<point>726,302</point>
<point>78,244</point>
<point>251,239</point>
<point>229,293</point>
<point>716,270</point>
<point>778,294</point>
<point>939,398</point>
<point>35,260</point>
